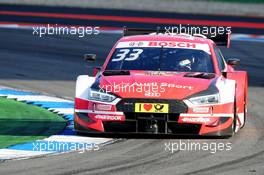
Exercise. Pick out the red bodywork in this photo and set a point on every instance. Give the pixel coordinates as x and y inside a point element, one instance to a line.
<point>223,118</point>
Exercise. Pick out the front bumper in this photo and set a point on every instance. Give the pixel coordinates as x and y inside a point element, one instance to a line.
<point>153,124</point>
<point>180,119</point>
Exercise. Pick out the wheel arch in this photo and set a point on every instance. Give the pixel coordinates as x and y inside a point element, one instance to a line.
<point>241,94</point>
<point>83,83</point>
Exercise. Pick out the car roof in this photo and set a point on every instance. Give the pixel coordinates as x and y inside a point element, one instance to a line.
<point>167,37</point>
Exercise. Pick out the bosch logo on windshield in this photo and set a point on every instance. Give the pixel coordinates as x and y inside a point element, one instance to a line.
<point>172,44</point>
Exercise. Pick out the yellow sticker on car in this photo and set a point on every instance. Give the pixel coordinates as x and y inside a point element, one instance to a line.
<point>152,107</point>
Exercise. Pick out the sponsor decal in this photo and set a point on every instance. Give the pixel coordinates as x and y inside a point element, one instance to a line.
<point>177,86</point>
<point>108,117</point>
<point>172,44</point>
<point>152,107</point>
<point>195,119</point>
<point>152,94</point>
<point>103,107</point>
<point>165,44</point>
<point>159,73</point>
<point>136,44</point>
<point>205,120</point>
<point>201,110</point>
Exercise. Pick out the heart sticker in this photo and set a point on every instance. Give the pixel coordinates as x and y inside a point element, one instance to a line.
<point>147,107</point>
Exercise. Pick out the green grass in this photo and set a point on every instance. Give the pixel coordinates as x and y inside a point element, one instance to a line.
<point>20,123</point>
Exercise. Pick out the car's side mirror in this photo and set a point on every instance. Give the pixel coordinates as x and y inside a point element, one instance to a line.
<point>233,62</point>
<point>96,70</point>
<point>89,57</point>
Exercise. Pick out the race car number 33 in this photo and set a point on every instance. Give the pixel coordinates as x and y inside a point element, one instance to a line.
<point>152,107</point>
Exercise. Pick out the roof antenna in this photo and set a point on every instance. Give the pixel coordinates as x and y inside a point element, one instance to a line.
<point>158,30</point>
<point>124,30</point>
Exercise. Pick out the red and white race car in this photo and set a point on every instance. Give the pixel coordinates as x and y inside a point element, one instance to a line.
<point>163,84</point>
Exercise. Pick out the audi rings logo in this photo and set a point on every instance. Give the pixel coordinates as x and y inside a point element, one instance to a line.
<point>134,44</point>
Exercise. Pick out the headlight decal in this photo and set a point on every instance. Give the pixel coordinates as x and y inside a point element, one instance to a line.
<point>209,96</point>
<point>100,96</point>
<point>208,99</point>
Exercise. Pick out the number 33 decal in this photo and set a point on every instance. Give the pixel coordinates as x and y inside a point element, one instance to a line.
<point>123,53</point>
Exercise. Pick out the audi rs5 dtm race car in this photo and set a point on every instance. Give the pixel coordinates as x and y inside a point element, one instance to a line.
<point>163,84</point>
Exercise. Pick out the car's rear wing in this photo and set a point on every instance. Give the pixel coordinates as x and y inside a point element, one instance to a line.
<point>219,39</point>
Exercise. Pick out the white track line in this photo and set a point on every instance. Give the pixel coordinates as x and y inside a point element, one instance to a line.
<point>77,139</point>
<point>12,154</point>
<point>65,111</point>
<point>36,98</point>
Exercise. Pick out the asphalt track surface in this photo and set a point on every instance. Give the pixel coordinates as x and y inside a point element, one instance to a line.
<point>51,65</point>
